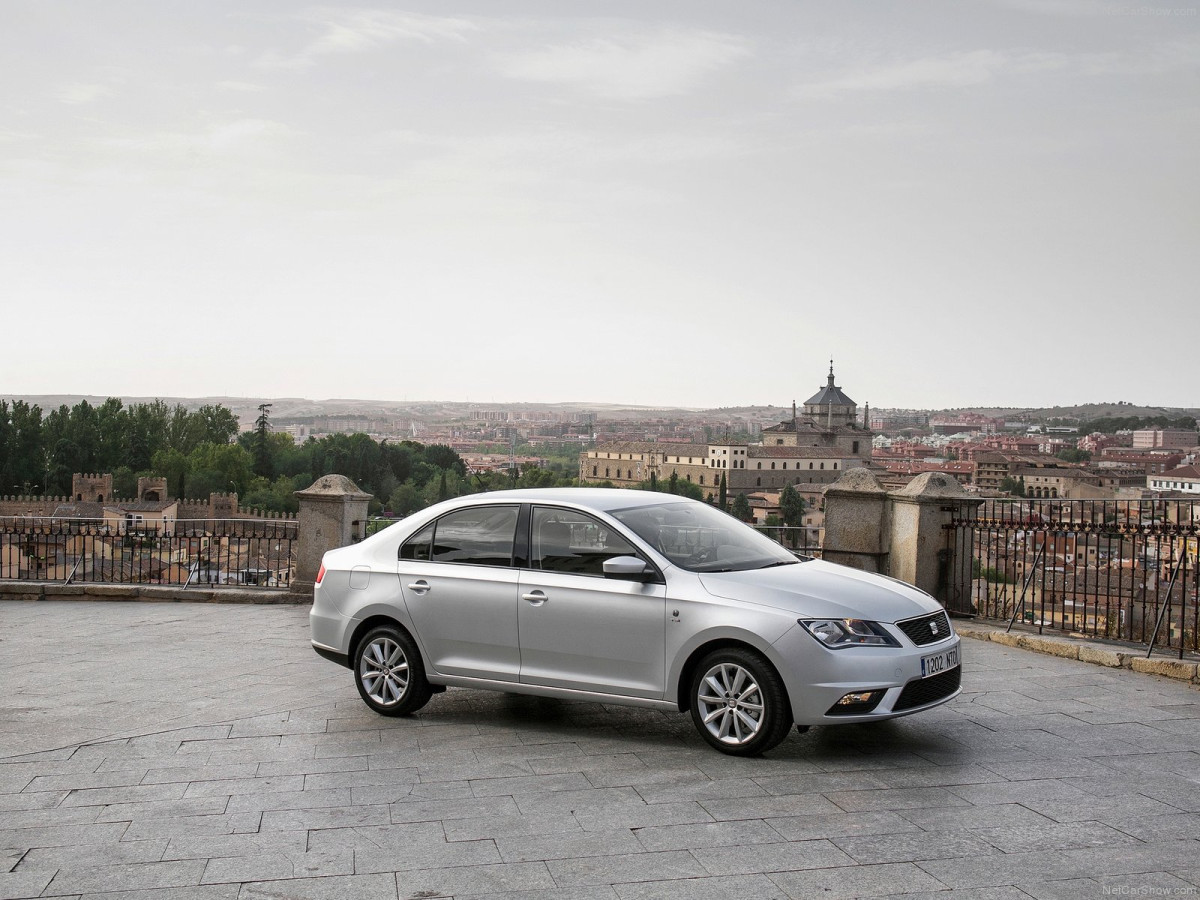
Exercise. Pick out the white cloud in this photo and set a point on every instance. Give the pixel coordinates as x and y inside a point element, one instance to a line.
<point>359,31</point>
<point>77,94</point>
<point>952,70</point>
<point>632,66</point>
<point>244,87</point>
<point>218,138</point>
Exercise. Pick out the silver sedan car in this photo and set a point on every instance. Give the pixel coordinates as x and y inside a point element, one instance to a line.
<point>628,597</point>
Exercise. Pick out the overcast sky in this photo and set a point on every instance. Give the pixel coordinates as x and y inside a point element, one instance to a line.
<point>691,203</point>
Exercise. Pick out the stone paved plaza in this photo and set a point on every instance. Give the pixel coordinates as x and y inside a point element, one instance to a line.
<point>204,751</point>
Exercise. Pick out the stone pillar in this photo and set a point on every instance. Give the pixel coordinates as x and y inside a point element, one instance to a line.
<point>923,550</point>
<point>856,522</point>
<point>333,513</point>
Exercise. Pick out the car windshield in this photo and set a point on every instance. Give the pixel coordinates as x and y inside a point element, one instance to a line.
<point>699,538</point>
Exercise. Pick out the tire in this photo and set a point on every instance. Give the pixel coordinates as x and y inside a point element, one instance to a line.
<point>389,674</point>
<point>738,702</point>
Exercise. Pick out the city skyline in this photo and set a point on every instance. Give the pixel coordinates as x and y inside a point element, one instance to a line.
<point>670,205</point>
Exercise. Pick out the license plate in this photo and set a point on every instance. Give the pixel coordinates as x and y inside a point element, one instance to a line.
<point>939,662</point>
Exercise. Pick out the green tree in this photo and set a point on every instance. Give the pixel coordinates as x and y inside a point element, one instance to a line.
<point>148,425</point>
<point>741,508</point>
<point>405,499</point>
<point>723,493</point>
<point>173,465</point>
<point>791,506</point>
<point>262,442</point>
<point>1013,486</point>
<point>1072,455</point>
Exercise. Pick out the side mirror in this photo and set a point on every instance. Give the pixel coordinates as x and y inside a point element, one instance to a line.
<point>628,568</point>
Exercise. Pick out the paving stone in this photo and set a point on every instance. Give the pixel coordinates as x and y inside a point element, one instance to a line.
<point>438,810</point>
<point>18,885</point>
<point>911,847</point>
<point>87,855</point>
<point>502,878</point>
<point>427,855</point>
<point>346,887</point>
<point>635,815</point>
<point>741,887</point>
<point>896,799</point>
<point>858,881</point>
<point>640,867</point>
<point>415,792</point>
<point>716,834</point>
<point>778,857</point>
<point>770,807</point>
<point>261,802</point>
<point>686,784</point>
<point>127,876</point>
<point>568,845</point>
<point>205,846</point>
<point>325,817</point>
<point>276,864</point>
<point>805,828</point>
<point>530,784</point>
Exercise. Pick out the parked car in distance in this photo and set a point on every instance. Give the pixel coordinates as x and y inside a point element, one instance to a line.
<point>628,597</point>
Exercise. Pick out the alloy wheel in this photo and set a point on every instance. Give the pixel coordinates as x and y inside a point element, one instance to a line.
<point>383,670</point>
<point>730,704</point>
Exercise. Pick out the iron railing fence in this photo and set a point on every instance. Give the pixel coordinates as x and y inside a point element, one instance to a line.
<point>801,539</point>
<point>1122,570</point>
<point>183,552</point>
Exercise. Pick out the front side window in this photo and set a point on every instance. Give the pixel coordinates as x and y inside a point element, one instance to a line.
<point>477,535</point>
<point>568,541</point>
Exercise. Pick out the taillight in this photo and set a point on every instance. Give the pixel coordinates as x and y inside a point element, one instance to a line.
<point>321,573</point>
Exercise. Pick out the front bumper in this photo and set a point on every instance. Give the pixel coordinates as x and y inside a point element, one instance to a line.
<point>817,678</point>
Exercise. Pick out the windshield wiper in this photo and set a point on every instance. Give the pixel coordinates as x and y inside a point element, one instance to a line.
<point>782,562</point>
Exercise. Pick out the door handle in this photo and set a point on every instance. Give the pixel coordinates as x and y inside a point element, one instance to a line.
<point>537,598</point>
<point>419,587</point>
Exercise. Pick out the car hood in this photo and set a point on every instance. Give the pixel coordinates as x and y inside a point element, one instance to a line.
<point>819,589</point>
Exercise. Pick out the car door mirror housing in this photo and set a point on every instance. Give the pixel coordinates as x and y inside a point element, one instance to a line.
<point>629,568</point>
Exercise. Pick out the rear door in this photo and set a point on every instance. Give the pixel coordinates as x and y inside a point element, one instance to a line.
<point>578,629</point>
<point>460,587</point>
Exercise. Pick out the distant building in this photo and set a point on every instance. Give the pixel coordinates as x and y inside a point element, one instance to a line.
<point>1185,479</point>
<point>813,449</point>
<point>830,420</point>
<point>1174,439</point>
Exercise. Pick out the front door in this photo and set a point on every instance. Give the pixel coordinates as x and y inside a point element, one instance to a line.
<point>578,629</point>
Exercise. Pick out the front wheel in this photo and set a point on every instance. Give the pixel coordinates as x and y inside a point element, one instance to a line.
<point>389,674</point>
<point>738,703</point>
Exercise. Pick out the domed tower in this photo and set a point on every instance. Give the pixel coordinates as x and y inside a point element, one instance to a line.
<point>830,408</point>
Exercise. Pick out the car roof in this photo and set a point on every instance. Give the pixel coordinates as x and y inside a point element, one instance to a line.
<point>602,499</point>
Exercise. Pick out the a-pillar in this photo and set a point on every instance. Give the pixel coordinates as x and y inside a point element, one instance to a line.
<point>924,550</point>
<point>333,513</point>
<point>856,522</point>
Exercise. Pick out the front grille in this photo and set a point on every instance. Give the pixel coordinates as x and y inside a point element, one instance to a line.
<point>929,690</point>
<point>927,629</point>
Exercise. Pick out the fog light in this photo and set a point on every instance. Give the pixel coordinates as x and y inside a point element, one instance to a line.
<point>855,703</point>
<point>857,699</point>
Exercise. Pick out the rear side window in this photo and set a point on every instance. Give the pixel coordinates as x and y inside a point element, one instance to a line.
<point>419,545</point>
<point>477,535</point>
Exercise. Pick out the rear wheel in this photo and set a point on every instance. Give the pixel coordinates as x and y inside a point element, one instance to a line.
<point>389,674</point>
<point>738,702</point>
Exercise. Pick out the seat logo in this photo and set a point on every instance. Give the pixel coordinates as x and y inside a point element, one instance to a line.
<point>933,627</point>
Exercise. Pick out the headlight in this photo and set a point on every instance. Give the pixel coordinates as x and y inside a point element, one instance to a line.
<point>838,633</point>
